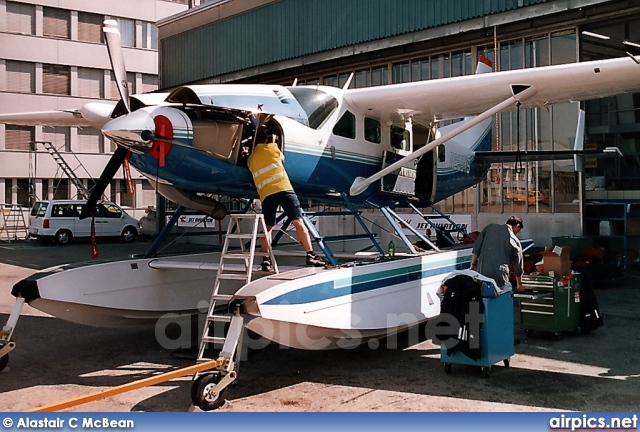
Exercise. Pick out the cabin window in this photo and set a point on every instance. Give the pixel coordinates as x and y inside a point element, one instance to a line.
<point>399,138</point>
<point>346,126</point>
<point>372,130</point>
<point>442,154</point>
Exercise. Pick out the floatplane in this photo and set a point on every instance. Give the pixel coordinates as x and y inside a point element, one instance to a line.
<point>377,147</point>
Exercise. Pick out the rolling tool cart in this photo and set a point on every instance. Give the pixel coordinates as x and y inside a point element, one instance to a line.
<point>551,304</point>
<point>496,335</point>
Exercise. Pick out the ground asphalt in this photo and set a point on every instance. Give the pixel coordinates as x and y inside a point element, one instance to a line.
<point>55,360</point>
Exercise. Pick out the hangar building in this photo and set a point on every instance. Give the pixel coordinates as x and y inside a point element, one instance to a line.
<point>384,42</point>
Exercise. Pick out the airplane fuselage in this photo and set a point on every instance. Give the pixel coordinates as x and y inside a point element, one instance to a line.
<point>323,157</point>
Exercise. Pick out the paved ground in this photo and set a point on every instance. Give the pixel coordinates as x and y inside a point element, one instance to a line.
<point>55,360</point>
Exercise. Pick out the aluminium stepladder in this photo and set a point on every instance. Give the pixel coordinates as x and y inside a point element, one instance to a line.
<point>207,388</point>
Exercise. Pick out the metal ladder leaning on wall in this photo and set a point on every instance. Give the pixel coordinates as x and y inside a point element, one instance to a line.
<point>207,388</point>
<point>83,192</point>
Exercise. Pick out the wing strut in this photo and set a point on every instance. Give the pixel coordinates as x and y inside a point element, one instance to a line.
<point>520,93</point>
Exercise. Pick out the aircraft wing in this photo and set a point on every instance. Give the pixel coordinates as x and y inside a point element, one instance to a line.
<point>456,97</point>
<point>48,118</point>
<point>93,114</point>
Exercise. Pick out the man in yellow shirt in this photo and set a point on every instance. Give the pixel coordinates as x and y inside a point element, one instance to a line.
<point>275,190</point>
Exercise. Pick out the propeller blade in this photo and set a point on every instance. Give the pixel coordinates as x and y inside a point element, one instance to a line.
<point>114,47</point>
<point>105,178</point>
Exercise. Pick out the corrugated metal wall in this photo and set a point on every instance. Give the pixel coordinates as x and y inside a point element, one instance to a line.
<point>293,28</point>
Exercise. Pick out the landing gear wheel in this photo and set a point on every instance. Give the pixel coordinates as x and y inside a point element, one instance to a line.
<point>486,371</point>
<point>3,362</point>
<point>447,368</point>
<point>506,363</point>
<point>200,392</point>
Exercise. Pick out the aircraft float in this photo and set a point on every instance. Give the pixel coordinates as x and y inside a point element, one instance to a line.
<point>377,147</point>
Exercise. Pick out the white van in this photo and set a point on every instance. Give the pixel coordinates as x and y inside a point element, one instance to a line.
<point>59,220</point>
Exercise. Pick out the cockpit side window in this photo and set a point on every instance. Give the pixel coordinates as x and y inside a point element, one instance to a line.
<point>317,104</point>
<point>346,126</point>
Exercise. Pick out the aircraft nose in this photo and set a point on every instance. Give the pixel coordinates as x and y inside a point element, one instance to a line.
<point>130,131</point>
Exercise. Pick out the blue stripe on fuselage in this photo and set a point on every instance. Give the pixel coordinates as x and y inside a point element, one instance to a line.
<point>383,279</point>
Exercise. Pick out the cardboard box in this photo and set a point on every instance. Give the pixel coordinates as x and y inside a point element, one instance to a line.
<point>557,260</point>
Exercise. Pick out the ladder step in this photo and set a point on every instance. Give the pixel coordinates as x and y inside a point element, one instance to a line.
<point>223,297</point>
<point>243,236</point>
<point>233,276</point>
<point>219,318</point>
<point>238,255</point>
<point>213,339</point>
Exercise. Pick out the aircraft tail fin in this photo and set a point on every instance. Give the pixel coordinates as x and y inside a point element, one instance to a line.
<point>484,65</point>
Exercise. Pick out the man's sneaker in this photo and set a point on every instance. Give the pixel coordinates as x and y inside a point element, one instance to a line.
<point>313,259</point>
<point>266,266</point>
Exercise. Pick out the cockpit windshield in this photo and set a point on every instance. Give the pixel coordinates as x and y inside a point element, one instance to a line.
<point>317,104</point>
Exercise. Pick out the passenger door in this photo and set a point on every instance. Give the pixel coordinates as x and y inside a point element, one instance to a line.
<point>82,227</point>
<point>110,219</point>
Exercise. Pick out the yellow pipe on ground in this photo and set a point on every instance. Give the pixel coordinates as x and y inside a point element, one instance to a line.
<point>131,386</point>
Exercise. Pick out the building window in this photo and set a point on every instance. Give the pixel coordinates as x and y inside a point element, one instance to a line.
<point>149,83</point>
<point>57,136</point>
<point>401,72</point>
<point>19,137</point>
<point>89,141</point>
<point>149,36</point>
<point>127,29</point>
<point>90,83</point>
<point>60,189</point>
<point>56,23</point>
<point>372,130</point>
<point>90,27</point>
<point>337,80</point>
<point>56,79</point>
<point>20,18</point>
<point>379,76</point>
<point>20,76</point>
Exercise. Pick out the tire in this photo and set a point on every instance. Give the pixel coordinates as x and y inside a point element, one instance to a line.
<point>129,234</point>
<point>63,237</point>
<point>199,395</point>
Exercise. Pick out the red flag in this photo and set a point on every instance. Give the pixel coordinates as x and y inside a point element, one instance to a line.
<point>94,246</point>
<point>127,173</point>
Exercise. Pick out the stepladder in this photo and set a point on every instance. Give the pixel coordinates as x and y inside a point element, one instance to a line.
<point>237,267</point>
<point>13,225</point>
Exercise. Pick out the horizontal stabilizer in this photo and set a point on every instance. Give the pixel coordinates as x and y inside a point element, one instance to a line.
<point>541,155</point>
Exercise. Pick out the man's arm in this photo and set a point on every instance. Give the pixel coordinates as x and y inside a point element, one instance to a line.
<point>474,262</point>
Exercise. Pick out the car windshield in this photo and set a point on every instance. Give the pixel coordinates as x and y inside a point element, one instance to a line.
<point>39,209</point>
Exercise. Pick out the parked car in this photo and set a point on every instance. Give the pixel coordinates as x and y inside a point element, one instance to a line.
<point>531,198</point>
<point>59,221</point>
